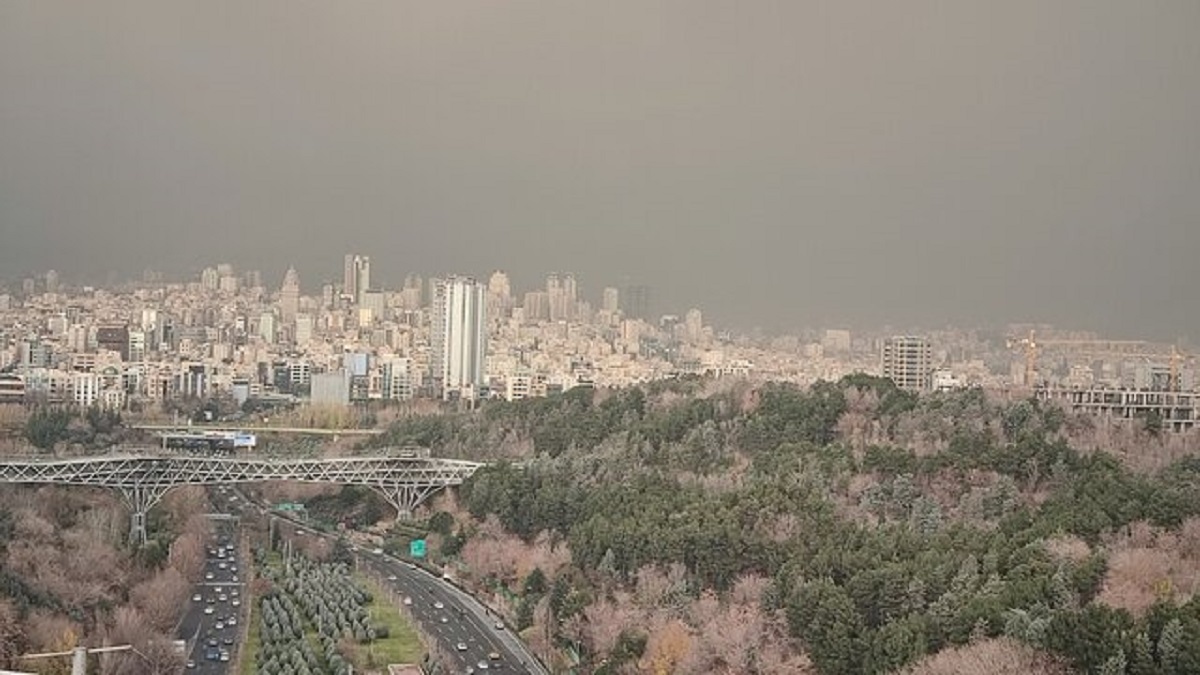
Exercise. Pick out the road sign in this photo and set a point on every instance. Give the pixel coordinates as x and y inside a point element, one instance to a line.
<point>416,548</point>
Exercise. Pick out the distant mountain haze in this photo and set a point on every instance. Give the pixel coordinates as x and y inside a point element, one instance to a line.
<point>776,163</point>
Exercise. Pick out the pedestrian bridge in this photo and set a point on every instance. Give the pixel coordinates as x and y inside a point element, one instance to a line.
<point>405,481</point>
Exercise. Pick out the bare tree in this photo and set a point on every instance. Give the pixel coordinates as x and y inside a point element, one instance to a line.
<point>159,598</point>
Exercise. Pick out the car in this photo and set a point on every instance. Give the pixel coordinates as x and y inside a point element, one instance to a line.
<point>443,619</point>
<point>191,664</point>
<point>391,577</point>
<point>407,601</point>
<point>231,621</point>
<point>219,625</point>
<point>482,665</point>
<point>208,576</point>
<point>236,602</point>
<point>377,551</point>
<point>499,625</point>
<point>223,598</point>
<point>410,566</point>
<point>197,598</point>
<point>224,655</point>
<point>234,592</point>
<point>212,642</point>
<point>212,654</point>
<point>228,641</point>
<point>221,565</point>
<point>437,604</point>
<point>233,568</point>
<point>208,610</point>
<point>462,646</point>
<point>235,578</point>
<point>495,656</point>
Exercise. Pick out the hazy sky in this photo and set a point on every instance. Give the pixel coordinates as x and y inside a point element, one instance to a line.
<point>776,163</point>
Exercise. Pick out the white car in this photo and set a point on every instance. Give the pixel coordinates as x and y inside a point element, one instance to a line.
<point>438,605</point>
<point>219,625</point>
<point>208,609</point>
<point>462,646</point>
<point>236,602</point>
<point>197,598</point>
<point>208,576</point>
<point>408,601</point>
<point>391,577</point>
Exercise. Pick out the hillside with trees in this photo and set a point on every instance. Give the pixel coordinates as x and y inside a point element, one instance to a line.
<point>68,576</point>
<point>697,527</point>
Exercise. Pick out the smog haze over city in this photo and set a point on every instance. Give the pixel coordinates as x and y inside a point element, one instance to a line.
<point>779,164</point>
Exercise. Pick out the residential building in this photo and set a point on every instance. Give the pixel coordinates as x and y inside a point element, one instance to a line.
<point>908,362</point>
<point>458,337</point>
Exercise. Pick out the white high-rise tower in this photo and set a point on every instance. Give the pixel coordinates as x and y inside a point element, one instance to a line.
<point>356,278</point>
<point>459,336</point>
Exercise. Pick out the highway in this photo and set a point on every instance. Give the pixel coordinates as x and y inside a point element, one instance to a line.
<point>460,619</point>
<point>222,580</point>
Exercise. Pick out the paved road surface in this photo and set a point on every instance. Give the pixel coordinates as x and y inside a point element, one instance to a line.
<point>201,625</point>
<point>466,620</point>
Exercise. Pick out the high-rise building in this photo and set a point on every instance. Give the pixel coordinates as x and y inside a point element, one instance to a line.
<point>289,296</point>
<point>209,279</point>
<point>537,306</point>
<point>908,362</point>
<point>458,336</point>
<point>356,277</point>
<point>693,323</point>
<point>410,296</point>
<point>499,295</point>
<point>636,302</point>
<point>562,294</point>
<point>611,300</point>
<point>304,329</point>
<point>52,281</point>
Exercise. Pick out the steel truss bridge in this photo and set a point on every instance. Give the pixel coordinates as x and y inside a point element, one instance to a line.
<point>143,479</point>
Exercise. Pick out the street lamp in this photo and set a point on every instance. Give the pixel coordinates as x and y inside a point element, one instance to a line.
<point>79,657</point>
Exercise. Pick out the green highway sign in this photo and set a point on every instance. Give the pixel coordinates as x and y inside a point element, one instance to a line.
<point>416,548</point>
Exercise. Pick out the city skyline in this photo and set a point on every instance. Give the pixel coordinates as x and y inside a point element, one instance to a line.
<point>781,165</point>
<point>633,298</point>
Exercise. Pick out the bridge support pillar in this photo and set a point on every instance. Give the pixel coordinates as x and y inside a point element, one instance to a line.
<point>140,499</point>
<point>406,498</point>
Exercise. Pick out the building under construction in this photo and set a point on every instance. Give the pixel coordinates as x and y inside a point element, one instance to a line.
<point>1177,410</point>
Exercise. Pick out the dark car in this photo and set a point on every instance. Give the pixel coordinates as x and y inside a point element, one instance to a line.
<point>212,654</point>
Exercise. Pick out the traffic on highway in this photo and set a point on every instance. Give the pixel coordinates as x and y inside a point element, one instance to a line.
<point>473,638</point>
<point>469,635</point>
<point>213,622</point>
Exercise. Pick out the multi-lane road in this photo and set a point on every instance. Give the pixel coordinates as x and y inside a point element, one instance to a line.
<point>469,634</point>
<point>213,621</point>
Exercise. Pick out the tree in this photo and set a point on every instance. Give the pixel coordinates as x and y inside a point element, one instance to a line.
<point>823,616</point>
<point>46,427</point>
<point>535,583</point>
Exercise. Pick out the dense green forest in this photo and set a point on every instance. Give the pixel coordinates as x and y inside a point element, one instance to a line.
<point>885,527</point>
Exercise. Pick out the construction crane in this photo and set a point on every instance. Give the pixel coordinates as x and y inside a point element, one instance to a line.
<point>1032,348</point>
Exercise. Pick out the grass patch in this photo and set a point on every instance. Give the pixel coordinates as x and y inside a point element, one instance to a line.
<point>402,644</point>
<point>249,651</point>
<point>246,665</point>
